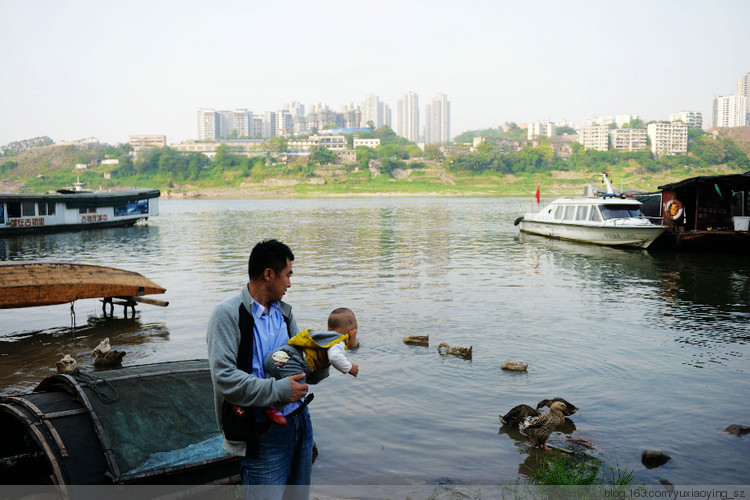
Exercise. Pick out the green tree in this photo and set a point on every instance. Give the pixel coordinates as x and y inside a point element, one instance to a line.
<point>564,129</point>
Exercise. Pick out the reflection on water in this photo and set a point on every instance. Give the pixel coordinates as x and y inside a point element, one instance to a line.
<point>645,344</point>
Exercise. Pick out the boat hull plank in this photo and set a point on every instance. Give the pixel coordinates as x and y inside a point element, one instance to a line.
<point>638,237</point>
<point>28,284</point>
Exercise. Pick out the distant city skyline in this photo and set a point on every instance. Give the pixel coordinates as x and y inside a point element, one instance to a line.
<point>82,68</point>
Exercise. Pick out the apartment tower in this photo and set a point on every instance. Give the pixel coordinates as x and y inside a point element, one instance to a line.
<point>408,117</point>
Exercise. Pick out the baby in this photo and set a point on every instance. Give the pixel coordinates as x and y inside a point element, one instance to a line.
<point>311,350</point>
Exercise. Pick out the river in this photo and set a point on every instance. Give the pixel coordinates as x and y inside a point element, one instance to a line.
<point>653,348</point>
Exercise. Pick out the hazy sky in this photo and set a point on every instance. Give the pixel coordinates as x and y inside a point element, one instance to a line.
<point>108,69</point>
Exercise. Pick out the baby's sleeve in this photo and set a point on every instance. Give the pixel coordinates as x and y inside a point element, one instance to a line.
<point>337,358</point>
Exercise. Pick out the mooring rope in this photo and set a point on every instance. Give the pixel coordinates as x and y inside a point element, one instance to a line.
<point>94,384</point>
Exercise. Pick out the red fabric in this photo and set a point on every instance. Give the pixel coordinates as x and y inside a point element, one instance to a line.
<point>538,199</point>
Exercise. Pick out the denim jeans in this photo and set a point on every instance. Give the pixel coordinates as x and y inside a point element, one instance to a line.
<point>285,458</point>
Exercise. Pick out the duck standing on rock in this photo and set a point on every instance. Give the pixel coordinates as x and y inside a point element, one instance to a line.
<point>538,428</point>
<point>67,364</point>
<point>104,356</point>
<point>461,352</point>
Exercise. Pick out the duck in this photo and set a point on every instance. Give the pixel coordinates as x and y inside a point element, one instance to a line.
<point>570,408</point>
<point>517,414</point>
<point>514,366</point>
<point>105,356</point>
<point>67,364</point>
<point>417,340</point>
<point>537,429</point>
<point>462,352</point>
<point>103,347</point>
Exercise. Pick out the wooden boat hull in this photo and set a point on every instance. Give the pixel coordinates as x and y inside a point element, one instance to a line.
<point>28,284</point>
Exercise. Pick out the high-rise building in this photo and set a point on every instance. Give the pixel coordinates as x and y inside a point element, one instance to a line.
<point>621,120</point>
<point>375,111</point>
<point>594,137</point>
<point>437,120</point>
<point>269,125</point>
<point>540,129</point>
<point>408,117</point>
<point>628,139</point>
<point>694,119</point>
<point>743,88</point>
<point>295,108</point>
<point>284,123</point>
<point>668,138</point>
<point>730,111</point>
<point>208,125</point>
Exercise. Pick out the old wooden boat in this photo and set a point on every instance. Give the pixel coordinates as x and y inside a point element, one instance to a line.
<point>27,284</point>
<point>74,209</point>
<point>145,424</point>
<point>702,213</point>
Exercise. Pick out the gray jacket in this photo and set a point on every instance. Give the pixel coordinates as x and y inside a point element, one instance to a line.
<point>231,383</point>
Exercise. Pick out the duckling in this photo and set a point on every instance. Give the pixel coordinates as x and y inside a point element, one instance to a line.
<point>417,340</point>
<point>514,366</point>
<point>462,352</point>
<point>67,364</point>
<point>538,429</point>
<point>517,414</point>
<point>110,358</point>
<point>570,408</point>
<point>103,347</point>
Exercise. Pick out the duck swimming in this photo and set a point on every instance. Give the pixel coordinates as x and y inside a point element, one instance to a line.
<point>104,355</point>
<point>417,340</point>
<point>462,352</point>
<point>67,364</point>
<point>538,428</point>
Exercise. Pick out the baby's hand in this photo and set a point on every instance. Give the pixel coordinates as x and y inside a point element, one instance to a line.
<point>355,370</point>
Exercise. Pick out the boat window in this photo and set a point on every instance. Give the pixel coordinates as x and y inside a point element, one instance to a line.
<point>87,210</point>
<point>594,214</point>
<point>582,212</point>
<point>620,211</point>
<point>570,212</point>
<point>46,208</point>
<point>559,212</point>
<point>14,209</point>
<point>28,209</point>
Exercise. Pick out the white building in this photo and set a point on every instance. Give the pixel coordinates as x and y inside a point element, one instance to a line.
<point>437,120</point>
<point>208,125</point>
<point>594,137</point>
<point>668,138</point>
<point>730,111</point>
<point>694,119</point>
<point>295,108</point>
<point>540,129</point>
<point>628,139</point>
<point>284,123</point>
<point>408,117</point>
<point>621,120</point>
<point>743,88</point>
<point>370,143</point>
<point>143,142</point>
<point>332,142</point>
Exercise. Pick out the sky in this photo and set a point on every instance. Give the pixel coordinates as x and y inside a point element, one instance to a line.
<point>73,69</point>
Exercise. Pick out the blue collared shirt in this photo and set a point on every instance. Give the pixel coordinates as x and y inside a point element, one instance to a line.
<point>270,333</point>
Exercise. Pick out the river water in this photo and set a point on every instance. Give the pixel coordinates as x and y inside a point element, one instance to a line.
<point>653,348</point>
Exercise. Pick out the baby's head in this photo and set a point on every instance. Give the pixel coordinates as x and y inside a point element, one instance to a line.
<point>342,320</point>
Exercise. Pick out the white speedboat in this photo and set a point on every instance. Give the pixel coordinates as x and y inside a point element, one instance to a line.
<point>605,219</point>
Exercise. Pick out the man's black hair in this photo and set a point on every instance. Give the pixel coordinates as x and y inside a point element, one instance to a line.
<point>268,253</point>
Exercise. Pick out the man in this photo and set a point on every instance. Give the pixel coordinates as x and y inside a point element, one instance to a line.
<point>241,331</point>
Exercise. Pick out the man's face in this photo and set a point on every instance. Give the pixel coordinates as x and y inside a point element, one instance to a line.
<point>280,282</point>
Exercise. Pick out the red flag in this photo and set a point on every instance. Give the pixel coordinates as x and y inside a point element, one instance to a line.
<point>538,199</point>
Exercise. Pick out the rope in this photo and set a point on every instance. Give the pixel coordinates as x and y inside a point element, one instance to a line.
<point>106,394</point>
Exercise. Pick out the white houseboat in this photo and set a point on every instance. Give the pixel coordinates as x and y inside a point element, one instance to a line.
<point>74,209</point>
<point>606,219</point>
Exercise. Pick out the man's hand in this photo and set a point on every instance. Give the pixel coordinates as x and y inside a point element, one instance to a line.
<point>355,370</point>
<point>298,390</point>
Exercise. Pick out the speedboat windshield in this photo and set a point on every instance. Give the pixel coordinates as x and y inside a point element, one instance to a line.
<point>620,211</point>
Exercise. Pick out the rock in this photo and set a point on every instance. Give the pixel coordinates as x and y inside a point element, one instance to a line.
<point>652,458</point>
<point>667,485</point>
<point>514,366</point>
<point>737,430</point>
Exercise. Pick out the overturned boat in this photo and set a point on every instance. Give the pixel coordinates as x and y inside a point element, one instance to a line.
<point>147,424</point>
<point>598,218</point>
